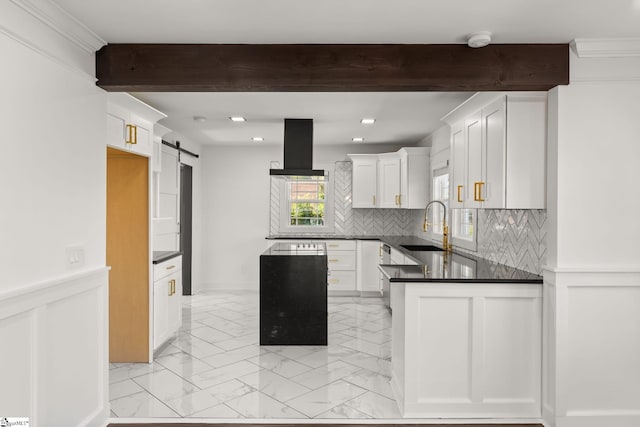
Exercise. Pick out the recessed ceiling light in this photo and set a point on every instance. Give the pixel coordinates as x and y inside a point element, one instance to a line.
<point>237,119</point>
<point>368,121</point>
<point>257,138</point>
<point>200,119</point>
<point>357,139</point>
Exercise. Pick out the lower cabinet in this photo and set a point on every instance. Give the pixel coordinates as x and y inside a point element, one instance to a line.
<point>167,303</point>
<point>369,254</point>
<point>341,264</point>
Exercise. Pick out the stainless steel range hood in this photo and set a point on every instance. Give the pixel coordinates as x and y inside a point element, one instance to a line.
<point>298,149</point>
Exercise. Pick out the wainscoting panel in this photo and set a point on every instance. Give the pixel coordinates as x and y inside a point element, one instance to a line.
<point>593,348</point>
<point>62,326</point>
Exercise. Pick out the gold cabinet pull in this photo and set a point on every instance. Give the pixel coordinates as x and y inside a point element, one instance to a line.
<point>459,191</point>
<point>170,288</point>
<point>374,200</point>
<point>170,267</point>
<point>477,191</point>
<point>333,245</point>
<point>334,281</point>
<point>129,137</point>
<point>333,260</point>
<point>135,134</point>
<point>399,199</point>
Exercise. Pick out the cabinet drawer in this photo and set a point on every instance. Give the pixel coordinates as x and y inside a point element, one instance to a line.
<point>341,261</point>
<point>341,281</point>
<point>340,245</point>
<point>166,268</point>
<point>397,257</point>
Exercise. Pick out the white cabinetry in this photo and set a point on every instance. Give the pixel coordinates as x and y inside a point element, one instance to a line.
<point>397,257</point>
<point>467,350</point>
<point>166,219</point>
<point>391,180</point>
<point>167,294</point>
<point>341,264</point>
<point>368,258</point>
<point>415,181</point>
<point>498,149</point>
<point>130,123</point>
<point>364,185</point>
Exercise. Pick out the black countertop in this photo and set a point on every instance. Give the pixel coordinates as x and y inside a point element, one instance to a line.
<point>433,267</point>
<point>162,256</point>
<point>295,248</point>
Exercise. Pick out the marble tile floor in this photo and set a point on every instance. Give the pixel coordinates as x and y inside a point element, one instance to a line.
<point>215,368</point>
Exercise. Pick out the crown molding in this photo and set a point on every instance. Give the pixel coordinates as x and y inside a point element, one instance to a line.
<point>606,48</point>
<point>56,18</point>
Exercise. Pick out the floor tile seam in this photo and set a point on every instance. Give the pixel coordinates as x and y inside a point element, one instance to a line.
<point>130,394</point>
<point>179,376</point>
<point>369,390</point>
<point>364,390</point>
<point>273,398</point>
<point>198,338</point>
<point>145,373</point>
<point>181,351</point>
<point>159,400</point>
<point>257,389</point>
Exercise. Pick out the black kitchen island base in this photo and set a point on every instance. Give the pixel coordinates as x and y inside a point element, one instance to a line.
<point>293,295</point>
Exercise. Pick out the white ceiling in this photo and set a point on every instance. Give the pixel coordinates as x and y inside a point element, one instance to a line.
<point>402,117</point>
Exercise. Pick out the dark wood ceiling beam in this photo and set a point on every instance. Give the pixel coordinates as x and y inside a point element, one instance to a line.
<point>340,68</point>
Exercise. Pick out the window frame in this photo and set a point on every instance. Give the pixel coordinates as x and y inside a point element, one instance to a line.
<point>432,233</point>
<point>455,218</point>
<point>285,209</point>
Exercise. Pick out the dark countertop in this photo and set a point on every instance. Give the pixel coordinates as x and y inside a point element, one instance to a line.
<point>162,256</point>
<point>459,267</point>
<point>295,248</point>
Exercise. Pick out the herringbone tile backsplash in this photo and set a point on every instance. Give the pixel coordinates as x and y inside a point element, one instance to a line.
<point>513,237</point>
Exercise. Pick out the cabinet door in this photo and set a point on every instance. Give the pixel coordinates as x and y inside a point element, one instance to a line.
<point>473,143</point>
<point>174,309</point>
<point>364,183</point>
<point>142,136</point>
<point>161,291</point>
<point>388,182</point>
<point>116,126</point>
<point>491,188</point>
<point>458,166</point>
<point>368,258</point>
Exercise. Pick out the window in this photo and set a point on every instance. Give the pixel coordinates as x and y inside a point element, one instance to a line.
<point>306,201</point>
<point>463,228</point>
<point>305,204</point>
<point>440,192</point>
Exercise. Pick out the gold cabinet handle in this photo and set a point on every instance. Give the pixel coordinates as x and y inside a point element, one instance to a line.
<point>129,137</point>
<point>333,260</point>
<point>334,281</point>
<point>477,191</point>
<point>374,200</point>
<point>135,134</point>
<point>170,267</point>
<point>170,287</point>
<point>380,250</point>
<point>459,191</point>
<point>333,245</point>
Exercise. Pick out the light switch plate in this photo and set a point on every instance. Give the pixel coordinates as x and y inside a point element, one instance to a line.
<point>75,256</point>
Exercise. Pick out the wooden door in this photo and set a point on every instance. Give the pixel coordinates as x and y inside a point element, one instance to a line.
<point>128,256</point>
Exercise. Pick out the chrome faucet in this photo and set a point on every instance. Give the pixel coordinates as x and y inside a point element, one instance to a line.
<point>445,229</point>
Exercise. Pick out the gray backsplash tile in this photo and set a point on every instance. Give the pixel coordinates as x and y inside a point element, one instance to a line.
<point>513,237</point>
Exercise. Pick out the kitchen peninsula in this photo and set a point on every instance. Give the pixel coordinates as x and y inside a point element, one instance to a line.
<point>466,334</point>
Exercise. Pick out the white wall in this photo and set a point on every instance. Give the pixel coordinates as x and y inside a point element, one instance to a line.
<point>235,208</point>
<point>53,196</point>
<point>592,277</point>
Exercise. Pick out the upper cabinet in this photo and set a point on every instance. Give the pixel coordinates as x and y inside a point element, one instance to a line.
<point>415,182</point>
<point>130,123</point>
<point>364,187</point>
<point>391,180</point>
<point>498,148</point>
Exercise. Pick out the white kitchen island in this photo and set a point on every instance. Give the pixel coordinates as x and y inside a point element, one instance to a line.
<point>464,347</point>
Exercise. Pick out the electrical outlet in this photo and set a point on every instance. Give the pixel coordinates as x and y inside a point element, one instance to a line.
<point>75,256</point>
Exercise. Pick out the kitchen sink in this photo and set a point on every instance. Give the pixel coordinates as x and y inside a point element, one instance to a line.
<point>421,248</point>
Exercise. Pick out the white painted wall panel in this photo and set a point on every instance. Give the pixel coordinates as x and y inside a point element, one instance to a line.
<point>16,366</point>
<point>604,332</point>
